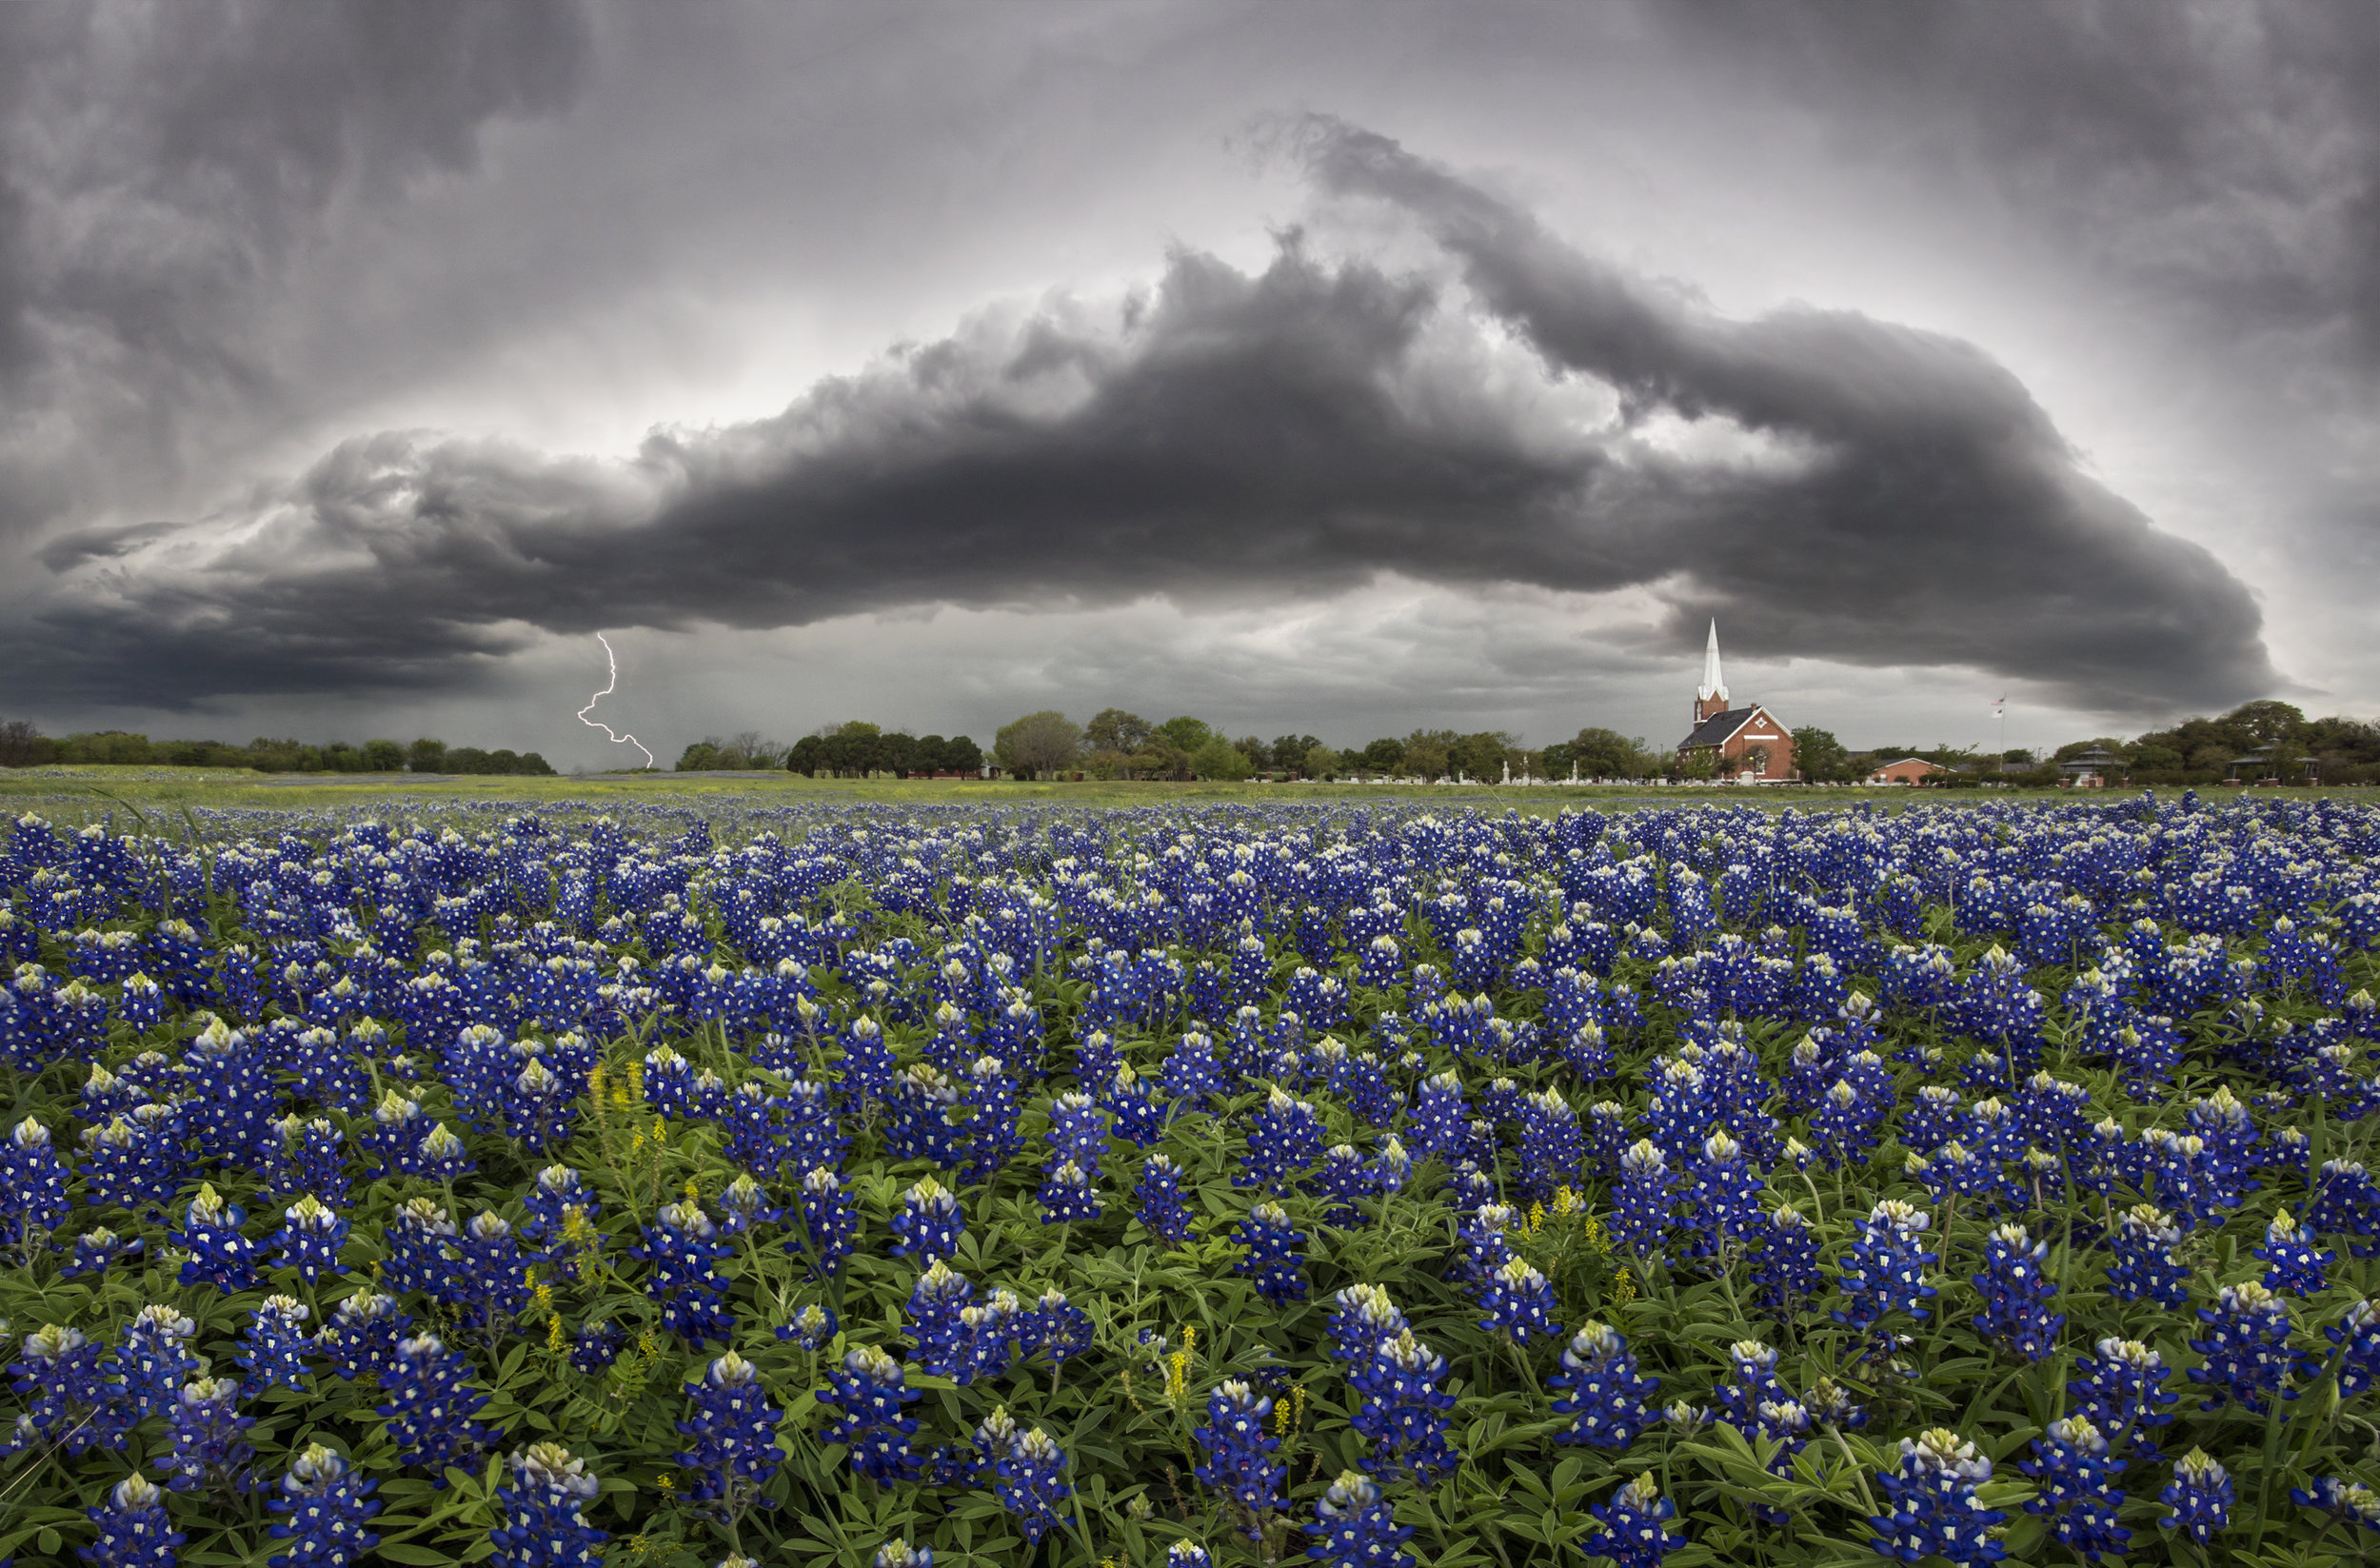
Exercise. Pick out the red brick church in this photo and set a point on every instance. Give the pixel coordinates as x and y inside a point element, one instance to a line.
<point>1742,742</point>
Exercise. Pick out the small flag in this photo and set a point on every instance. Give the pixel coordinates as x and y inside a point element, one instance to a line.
<point>1999,708</point>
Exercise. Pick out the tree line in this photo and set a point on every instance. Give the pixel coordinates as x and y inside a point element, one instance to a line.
<point>1119,745</point>
<point>22,744</point>
<point>857,748</point>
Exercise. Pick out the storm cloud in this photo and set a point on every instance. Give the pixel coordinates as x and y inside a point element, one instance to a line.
<point>1833,486</point>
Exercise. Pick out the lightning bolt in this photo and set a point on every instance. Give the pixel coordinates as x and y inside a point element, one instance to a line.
<point>613,660</point>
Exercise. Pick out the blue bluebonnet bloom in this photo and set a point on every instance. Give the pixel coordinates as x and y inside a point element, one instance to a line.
<point>1287,1138</point>
<point>935,1303</point>
<point>2346,1202</point>
<point>596,1345</point>
<point>893,1553</point>
<point>1640,1204</point>
<point>1029,1485</point>
<point>1362,1317</point>
<point>1404,1411</point>
<point>929,1223</point>
<point>2016,1294</point>
<point>1725,1196</point>
<point>1438,1118</point>
<point>2200,1497</point>
<point>2357,1336</point>
<point>72,1398</point>
<point>1932,1496</point>
<point>992,1136</point>
<point>1056,1328</point>
<point>1848,1119</point>
<point>813,1328</point>
<point>152,1362</point>
<point>2071,1467</point>
<point>2246,1348</point>
<point>490,1276</point>
<point>1067,1194</point>
<point>310,1239</point>
<point>1158,1198</point>
<point>1354,1527</point>
<point>544,1524</point>
<point>1238,1453</point>
<point>133,1529</point>
<point>830,1219</point>
<point>2298,1266</point>
<point>682,1244</point>
<point>1519,1302</point>
<point>2342,1500</point>
<point>209,1448</point>
<point>1885,1272</point>
<point>733,1452</point>
<point>868,1392</point>
<point>2121,1388</point>
<point>1187,1553</point>
<point>1276,1256</point>
<point>430,1406</point>
<point>33,1186</point>
<point>1486,1249</point>
<point>219,1255</point>
<point>95,1250</point>
<point>362,1336</point>
<point>328,1506</point>
<point>276,1344</point>
<point>1603,1393</point>
<point>1786,1267</point>
<point>553,1200</point>
<point>1634,1526</point>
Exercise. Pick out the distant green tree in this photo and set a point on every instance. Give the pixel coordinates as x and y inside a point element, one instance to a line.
<point>382,756</point>
<point>1819,756</point>
<point>1479,757</point>
<point>1428,752</point>
<point>1113,729</point>
<point>807,756</point>
<point>423,756</point>
<point>1322,761</point>
<point>1042,742</point>
<point>1221,760</point>
<point>961,755</point>
<point>1386,755</point>
<point>23,745</point>
<point>1187,734</point>
<point>701,757</point>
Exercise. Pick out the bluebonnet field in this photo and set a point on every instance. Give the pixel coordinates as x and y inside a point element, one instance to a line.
<point>871,1184</point>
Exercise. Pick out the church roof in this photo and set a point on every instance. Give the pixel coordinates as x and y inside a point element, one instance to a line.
<point>1719,727</point>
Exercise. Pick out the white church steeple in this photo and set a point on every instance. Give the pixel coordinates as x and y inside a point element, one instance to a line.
<point>1711,697</point>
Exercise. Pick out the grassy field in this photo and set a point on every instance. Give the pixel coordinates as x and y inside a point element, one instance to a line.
<point>76,795</point>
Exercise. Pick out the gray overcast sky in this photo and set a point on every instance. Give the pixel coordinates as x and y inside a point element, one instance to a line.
<point>1339,368</point>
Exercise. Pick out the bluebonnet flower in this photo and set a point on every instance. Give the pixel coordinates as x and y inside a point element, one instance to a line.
<point>33,1186</point>
<point>362,1336</point>
<point>919,1124</point>
<point>1361,1317</point>
<point>929,1223</point>
<point>1274,1254</point>
<point>1486,1249</point>
<point>421,1251</point>
<point>868,1392</point>
<point>1635,1532</point>
<point>2346,1202</point>
<point>1603,1395</point>
<point>992,1135</point>
<point>1754,1366</point>
<point>596,1345</point>
<point>1067,1194</point>
<point>131,1162</point>
<point>1846,1122</point>
<point>935,1302</point>
<point>1786,1268</point>
<point>1187,1553</point>
<point>545,1524</point>
<point>209,1448</point>
<point>1158,1198</point>
<point>893,1553</point>
<point>1437,1122</point>
<point>1238,1453</point>
<point>1030,1487</point>
<point>830,1219</point>
<point>553,1200</point>
<point>1404,1411</point>
<point>1725,1196</point>
<point>1934,1511</point>
<point>72,1400</point>
<point>152,1362</point>
<point>2246,1348</point>
<point>1287,1138</point>
<point>2200,1495</point>
<point>682,1244</point>
<point>490,1276</point>
<point>2016,1294</point>
<point>1190,1074</point>
<point>2298,1266</point>
<point>813,1328</point>
<point>134,1530</point>
<point>743,1208</point>
<point>2145,1267</point>
<point>733,1453</point>
<point>2357,1334</point>
<point>2341,1500</point>
<point>328,1505</point>
<point>219,1255</point>
<point>275,1346</point>
<point>2121,1387</point>
<point>1519,1302</point>
<point>2071,1467</point>
<point>1354,1527</point>
<point>430,1406</point>
<point>1553,1151</point>
<point>1885,1273</point>
<point>310,1239</point>
<point>1640,1203</point>
<point>1056,1328</point>
<point>95,1250</point>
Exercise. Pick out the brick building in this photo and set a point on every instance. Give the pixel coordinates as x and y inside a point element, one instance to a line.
<point>1909,770</point>
<point>1742,742</point>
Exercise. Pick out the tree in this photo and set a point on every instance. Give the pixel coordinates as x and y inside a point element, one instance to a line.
<point>701,757</point>
<point>2267,720</point>
<point>1600,754</point>
<point>1113,729</point>
<point>1187,734</point>
<point>423,756</point>
<point>961,755</point>
<point>23,746</point>
<point>1320,762</point>
<point>1820,756</point>
<point>1289,752</point>
<point>1386,755</point>
<point>382,756</point>
<point>1040,742</point>
<point>806,755</point>
<point>533,765</point>
<point>1221,760</point>
<point>1480,755</point>
<point>1259,755</point>
<point>1427,750</point>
